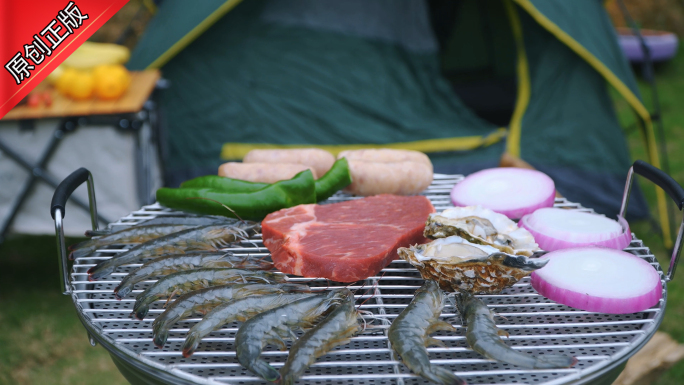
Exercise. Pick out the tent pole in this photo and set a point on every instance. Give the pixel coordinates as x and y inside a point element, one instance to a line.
<point>648,72</point>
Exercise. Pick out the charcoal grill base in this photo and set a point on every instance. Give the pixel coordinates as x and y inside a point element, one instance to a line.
<point>602,342</point>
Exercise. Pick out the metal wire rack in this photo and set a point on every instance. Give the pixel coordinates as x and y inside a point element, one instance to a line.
<point>601,342</point>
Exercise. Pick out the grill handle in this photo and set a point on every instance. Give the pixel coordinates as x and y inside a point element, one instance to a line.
<point>58,211</point>
<point>671,187</point>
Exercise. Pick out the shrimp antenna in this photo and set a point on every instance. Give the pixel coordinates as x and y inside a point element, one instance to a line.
<point>327,282</point>
<point>258,260</point>
<point>311,280</point>
<point>359,288</point>
<point>224,206</point>
<point>255,245</point>
<point>366,313</point>
<point>365,324</point>
<point>280,244</point>
<point>375,286</point>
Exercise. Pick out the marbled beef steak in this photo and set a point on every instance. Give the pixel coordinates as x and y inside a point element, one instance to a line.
<point>345,241</point>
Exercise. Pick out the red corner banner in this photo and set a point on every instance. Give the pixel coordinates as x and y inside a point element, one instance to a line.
<point>38,35</point>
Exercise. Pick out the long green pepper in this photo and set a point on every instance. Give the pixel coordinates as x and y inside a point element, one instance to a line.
<point>249,200</point>
<point>337,178</point>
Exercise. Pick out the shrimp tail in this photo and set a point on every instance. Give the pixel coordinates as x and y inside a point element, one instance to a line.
<point>141,312</point>
<point>141,308</point>
<point>124,288</point>
<point>443,376</point>
<point>191,343</point>
<point>100,270</point>
<point>159,334</point>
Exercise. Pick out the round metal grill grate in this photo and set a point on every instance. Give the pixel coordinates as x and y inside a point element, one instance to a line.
<point>536,326</point>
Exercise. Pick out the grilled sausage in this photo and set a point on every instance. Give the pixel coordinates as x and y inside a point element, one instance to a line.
<point>387,171</point>
<point>400,178</point>
<point>262,172</point>
<point>317,159</point>
<point>386,155</point>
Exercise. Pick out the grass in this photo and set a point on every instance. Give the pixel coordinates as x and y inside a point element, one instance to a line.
<point>43,342</point>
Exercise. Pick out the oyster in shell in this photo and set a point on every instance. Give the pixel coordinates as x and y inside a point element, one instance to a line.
<point>484,226</point>
<point>459,265</point>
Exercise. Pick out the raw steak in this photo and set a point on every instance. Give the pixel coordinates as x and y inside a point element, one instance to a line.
<point>345,241</point>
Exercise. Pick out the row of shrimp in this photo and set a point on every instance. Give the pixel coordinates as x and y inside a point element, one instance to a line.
<point>270,314</point>
<point>185,254</point>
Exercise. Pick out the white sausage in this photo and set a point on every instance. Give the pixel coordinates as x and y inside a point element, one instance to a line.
<point>262,172</point>
<point>319,160</point>
<point>400,178</point>
<point>386,155</point>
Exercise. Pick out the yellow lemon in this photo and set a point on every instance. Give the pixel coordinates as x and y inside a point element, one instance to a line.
<point>81,85</point>
<point>111,81</point>
<point>65,79</point>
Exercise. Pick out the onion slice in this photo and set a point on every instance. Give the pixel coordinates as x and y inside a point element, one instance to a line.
<point>555,229</point>
<point>598,279</point>
<point>513,192</point>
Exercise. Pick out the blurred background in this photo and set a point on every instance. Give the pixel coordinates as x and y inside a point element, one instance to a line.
<point>43,342</point>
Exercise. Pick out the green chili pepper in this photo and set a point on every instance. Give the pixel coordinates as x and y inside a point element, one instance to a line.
<point>337,178</point>
<point>224,184</point>
<point>250,200</point>
<point>255,204</point>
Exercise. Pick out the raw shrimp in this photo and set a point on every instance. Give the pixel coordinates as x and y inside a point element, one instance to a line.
<point>271,326</point>
<point>484,337</point>
<point>335,330</point>
<point>186,220</point>
<point>410,332</point>
<point>186,281</point>
<point>183,262</point>
<point>138,234</point>
<point>238,310</point>
<point>204,300</point>
<point>205,238</point>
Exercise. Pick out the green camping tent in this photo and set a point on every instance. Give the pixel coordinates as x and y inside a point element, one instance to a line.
<point>462,81</point>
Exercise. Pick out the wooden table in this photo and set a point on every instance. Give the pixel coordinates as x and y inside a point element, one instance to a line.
<point>128,112</point>
<point>142,85</point>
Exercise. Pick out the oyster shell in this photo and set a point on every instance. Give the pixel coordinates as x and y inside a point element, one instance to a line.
<point>484,226</point>
<point>459,265</point>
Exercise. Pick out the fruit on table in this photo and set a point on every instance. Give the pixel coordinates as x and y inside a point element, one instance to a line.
<point>94,68</point>
<point>33,100</point>
<point>111,81</point>
<point>104,81</point>
<point>46,97</point>
<point>90,54</point>
<point>81,85</point>
<point>66,77</point>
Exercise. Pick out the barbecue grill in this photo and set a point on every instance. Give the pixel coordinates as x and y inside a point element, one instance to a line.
<point>601,342</point>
